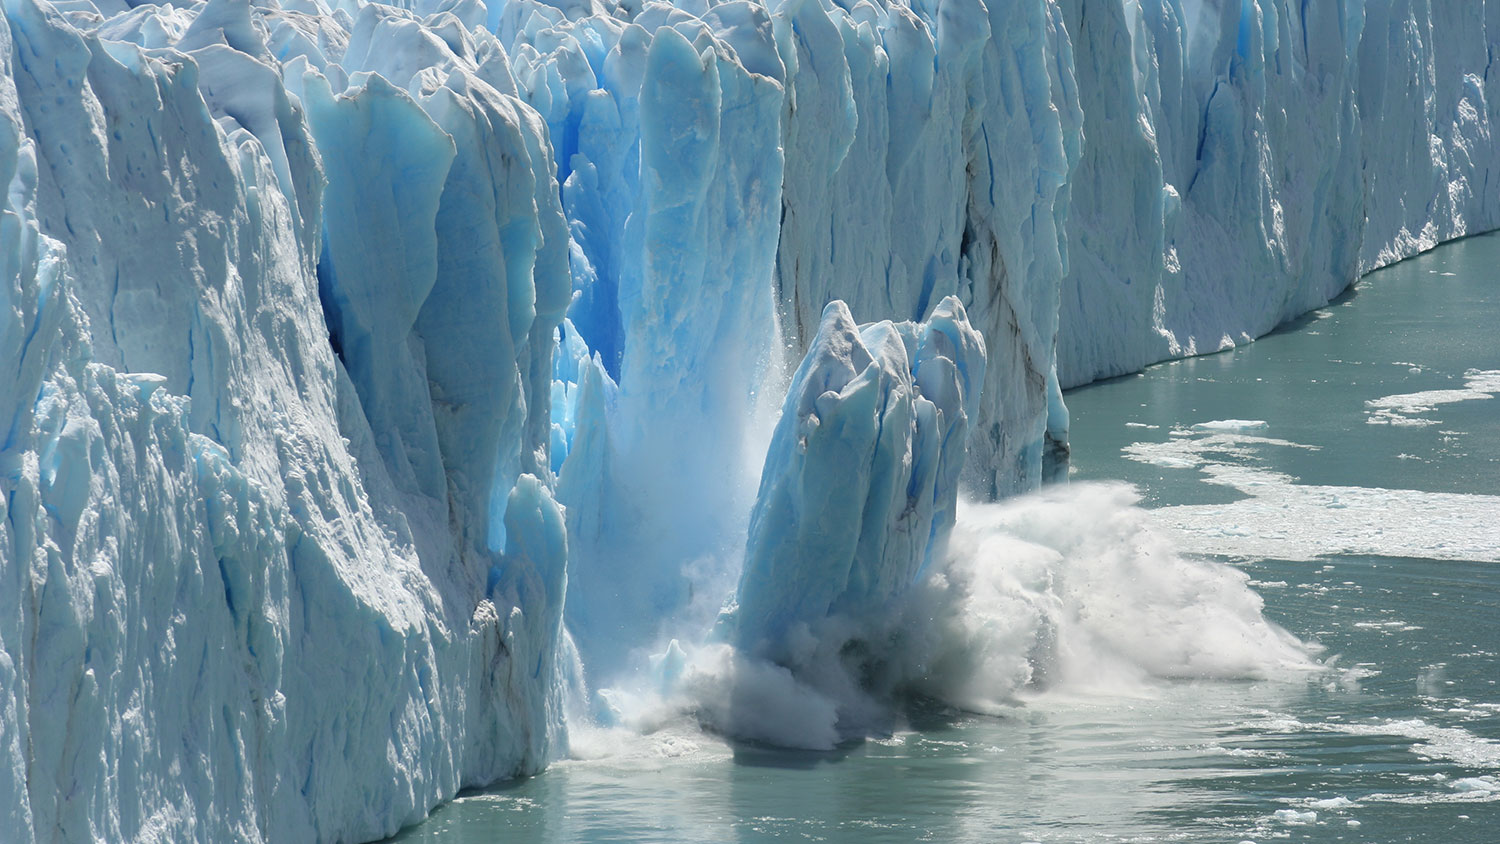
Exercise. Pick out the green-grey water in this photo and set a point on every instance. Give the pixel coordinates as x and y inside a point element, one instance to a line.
<point>1350,465</point>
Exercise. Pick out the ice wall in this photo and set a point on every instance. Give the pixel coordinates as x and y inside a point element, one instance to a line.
<point>882,154</point>
<point>255,579</point>
<point>672,184</point>
<point>1245,162</point>
<point>935,162</point>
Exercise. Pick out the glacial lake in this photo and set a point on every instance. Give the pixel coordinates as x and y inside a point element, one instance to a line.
<point>1349,465</point>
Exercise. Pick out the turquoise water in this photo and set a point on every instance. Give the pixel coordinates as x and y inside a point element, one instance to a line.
<point>1350,465</point>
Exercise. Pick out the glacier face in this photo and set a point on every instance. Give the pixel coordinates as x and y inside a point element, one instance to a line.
<point>248,572</point>
<point>344,345</point>
<point>1245,161</point>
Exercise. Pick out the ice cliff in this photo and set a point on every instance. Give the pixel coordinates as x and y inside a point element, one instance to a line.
<point>352,356</point>
<point>1245,161</point>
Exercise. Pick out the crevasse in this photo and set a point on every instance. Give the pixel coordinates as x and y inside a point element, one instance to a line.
<point>355,360</point>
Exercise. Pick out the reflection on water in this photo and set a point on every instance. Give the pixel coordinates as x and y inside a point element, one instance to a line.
<point>1399,742</point>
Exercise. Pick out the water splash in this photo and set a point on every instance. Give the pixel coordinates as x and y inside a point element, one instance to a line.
<point>1063,592</point>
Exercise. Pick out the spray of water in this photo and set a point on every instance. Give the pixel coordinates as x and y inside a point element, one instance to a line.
<point>1066,591</point>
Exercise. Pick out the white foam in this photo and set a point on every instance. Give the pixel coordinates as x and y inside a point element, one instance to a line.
<point>1430,741</point>
<point>1062,593</point>
<point>724,691</point>
<point>1105,597</point>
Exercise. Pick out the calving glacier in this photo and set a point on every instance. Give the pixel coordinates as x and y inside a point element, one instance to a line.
<point>380,384</point>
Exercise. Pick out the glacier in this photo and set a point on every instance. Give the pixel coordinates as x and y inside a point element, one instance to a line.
<point>1262,141</point>
<point>377,379</point>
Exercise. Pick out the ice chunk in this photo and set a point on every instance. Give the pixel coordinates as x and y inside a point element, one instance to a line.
<point>858,491</point>
<point>1231,425</point>
<point>1296,817</point>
